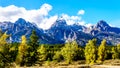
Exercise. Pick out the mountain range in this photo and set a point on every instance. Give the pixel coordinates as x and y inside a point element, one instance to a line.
<point>60,32</point>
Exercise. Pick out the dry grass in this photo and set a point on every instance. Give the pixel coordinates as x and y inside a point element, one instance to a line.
<point>112,62</point>
<point>75,64</point>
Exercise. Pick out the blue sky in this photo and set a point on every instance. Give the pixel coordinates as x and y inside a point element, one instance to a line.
<point>95,10</point>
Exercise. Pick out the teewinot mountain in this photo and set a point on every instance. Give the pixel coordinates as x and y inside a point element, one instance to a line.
<point>60,32</point>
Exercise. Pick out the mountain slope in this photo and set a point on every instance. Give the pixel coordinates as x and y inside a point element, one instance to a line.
<point>60,32</point>
<point>103,31</point>
<point>63,32</point>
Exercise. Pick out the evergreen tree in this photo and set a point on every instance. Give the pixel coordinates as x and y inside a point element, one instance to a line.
<point>22,52</point>
<point>69,51</point>
<point>102,51</point>
<point>1,33</point>
<point>80,54</point>
<point>33,46</point>
<point>90,52</point>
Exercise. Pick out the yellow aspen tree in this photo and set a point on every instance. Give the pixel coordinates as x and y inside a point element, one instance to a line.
<point>90,52</point>
<point>42,53</point>
<point>102,51</point>
<point>22,51</point>
<point>69,51</point>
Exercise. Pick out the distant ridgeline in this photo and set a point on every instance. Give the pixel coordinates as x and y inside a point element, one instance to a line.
<point>60,32</point>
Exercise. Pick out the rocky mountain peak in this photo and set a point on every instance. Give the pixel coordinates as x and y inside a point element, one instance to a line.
<point>102,23</point>
<point>102,26</point>
<point>59,23</point>
<point>21,21</point>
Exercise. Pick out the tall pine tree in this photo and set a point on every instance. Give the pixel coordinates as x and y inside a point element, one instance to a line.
<point>33,46</point>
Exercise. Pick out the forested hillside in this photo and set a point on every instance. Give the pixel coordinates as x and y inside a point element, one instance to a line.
<point>29,52</point>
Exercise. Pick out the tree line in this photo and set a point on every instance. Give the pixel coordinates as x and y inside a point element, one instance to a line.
<point>31,52</point>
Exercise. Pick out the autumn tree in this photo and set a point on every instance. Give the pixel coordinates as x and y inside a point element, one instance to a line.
<point>58,56</point>
<point>57,52</point>
<point>118,50</point>
<point>69,51</point>
<point>3,39</point>
<point>115,53</point>
<point>42,53</point>
<point>22,52</point>
<point>102,51</point>
<point>90,51</point>
<point>4,50</point>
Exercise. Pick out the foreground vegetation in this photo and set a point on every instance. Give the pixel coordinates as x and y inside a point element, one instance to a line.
<point>31,52</point>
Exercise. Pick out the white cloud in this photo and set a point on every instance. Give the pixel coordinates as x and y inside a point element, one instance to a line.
<point>48,22</point>
<point>10,13</point>
<point>38,16</point>
<point>73,19</point>
<point>81,12</point>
